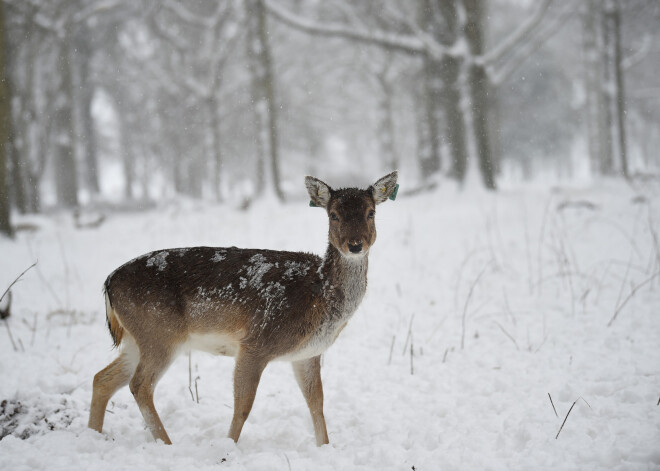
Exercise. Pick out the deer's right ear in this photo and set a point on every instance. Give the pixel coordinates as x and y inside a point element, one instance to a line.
<point>319,192</point>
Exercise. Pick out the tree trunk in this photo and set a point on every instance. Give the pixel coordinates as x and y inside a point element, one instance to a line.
<point>613,12</point>
<point>127,153</point>
<point>214,147</point>
<point>450,100</point>
<point>5,124</point>
<point>443,26</point>
<point>83,101</point>
<point>386,131</point>
<point>429,127</point>
<point>592,76</point>
<point>263,92</point>
<point>66,179</point>
<point>606,89</point>
<point>479,88</point>
<point>430,115</point>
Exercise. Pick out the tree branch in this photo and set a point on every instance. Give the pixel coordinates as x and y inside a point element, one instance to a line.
<point>526,50</point>
<point>507,44</point>
<point>394,42</point>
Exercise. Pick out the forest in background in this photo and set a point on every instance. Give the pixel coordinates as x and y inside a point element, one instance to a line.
<point>118,100</point>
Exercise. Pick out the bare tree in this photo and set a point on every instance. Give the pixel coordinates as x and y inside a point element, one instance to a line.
<point>605,95</point>
<point>5,123</point>
<point>264,98</point>
<point>435,36</point>
<point>480,87</point>
<point>612,21</point>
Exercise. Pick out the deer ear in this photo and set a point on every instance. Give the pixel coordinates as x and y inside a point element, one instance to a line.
<point>385,188</point>
<point>318,191</point>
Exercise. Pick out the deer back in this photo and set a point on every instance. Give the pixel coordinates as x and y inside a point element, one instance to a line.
<point>264,299</point>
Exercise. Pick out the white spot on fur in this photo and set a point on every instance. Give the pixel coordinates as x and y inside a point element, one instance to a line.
<point>219,256</point>
<point>158,260</point>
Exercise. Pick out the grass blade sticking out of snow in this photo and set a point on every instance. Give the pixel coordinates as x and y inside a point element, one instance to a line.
<point>507,334</point>
<point>553,405</point>
<point>654,236</point>
<point>539,264</point>
<point>405,345</point>
<point>467,302</point>
<point>569,411</point>
<point>190,376</point>
<point>389,360</point>
<point>412,370</point>
<point>629,297</point>
<point>11,338</point>
<point>16,280</point>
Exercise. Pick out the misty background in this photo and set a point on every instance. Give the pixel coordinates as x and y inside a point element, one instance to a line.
<point>122,101</point>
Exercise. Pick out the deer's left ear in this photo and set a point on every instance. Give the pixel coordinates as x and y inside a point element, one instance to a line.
<point>385,188</point>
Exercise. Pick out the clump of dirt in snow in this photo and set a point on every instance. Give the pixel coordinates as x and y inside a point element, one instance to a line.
<point>23,420</point>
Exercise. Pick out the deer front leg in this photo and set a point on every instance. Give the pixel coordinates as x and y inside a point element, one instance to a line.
<point>308,375</point>
<point>247,374</point>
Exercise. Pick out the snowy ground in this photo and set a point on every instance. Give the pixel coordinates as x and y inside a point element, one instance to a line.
<point>507,298</point>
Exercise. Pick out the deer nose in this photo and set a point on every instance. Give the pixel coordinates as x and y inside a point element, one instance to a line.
<point>355,247</point>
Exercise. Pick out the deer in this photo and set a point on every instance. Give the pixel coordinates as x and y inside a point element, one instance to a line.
<point>254,305</point>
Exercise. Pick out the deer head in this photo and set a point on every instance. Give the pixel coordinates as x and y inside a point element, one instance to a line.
<point>351,212</point>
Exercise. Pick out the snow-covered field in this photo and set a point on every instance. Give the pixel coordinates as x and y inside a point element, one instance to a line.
<point>506,297</point>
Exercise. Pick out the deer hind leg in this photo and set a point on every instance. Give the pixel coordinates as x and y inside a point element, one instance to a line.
<point>247,374</point>
<point>110,379</point>
<point>149,370</point>
<point>308,375</point>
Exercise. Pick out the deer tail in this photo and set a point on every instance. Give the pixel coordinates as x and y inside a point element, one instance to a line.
<point>115,328</point>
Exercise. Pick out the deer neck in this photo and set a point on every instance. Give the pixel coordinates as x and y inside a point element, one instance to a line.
<point>344,282</point>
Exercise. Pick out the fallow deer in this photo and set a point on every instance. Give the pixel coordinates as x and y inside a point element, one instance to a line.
<point>255,305</point>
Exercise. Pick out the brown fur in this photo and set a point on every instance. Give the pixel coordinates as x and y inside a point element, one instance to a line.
<point>256,305</point>
<point>115,328</point>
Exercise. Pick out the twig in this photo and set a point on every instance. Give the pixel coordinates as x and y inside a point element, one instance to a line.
<point>654,235</point>
<point>444,357</point>
<point>412,369</point>
<point>16,280</point>
<point>467,301</point>
<point>508,307</point>
<point>43,279</point>
<point>389,361</point>
<point>553,405</point>
<point>459,278</point>
<point>540,243</point>
<point>569,411</point>
<point>632,293</point>
<point>34,329</point>
<point>405,345</point>
<point>508,335</point>
<point>13,344</point>
<point>196,390</point>
<point>192,396</point>
<point>528,252</point>
<point>625,279</point>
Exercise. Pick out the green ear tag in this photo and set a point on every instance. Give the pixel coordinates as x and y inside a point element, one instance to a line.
<point>312,204</point>
<point>396,190</point>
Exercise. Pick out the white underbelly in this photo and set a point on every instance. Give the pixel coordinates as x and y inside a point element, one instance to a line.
<point>215,343</point>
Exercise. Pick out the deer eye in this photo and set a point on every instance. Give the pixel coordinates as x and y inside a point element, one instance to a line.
<point>371,214</point>
<point>334,217</point>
